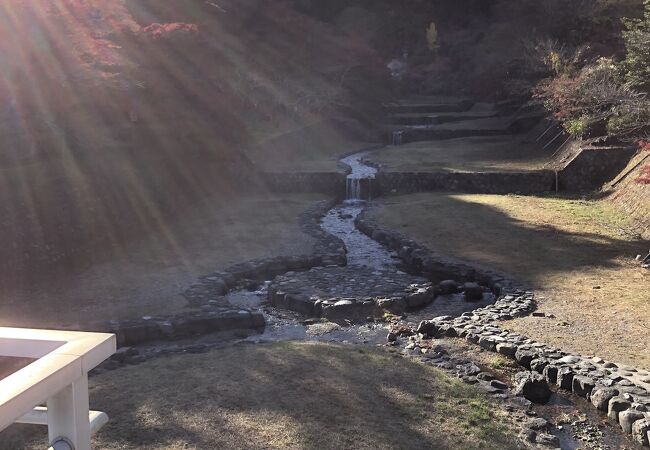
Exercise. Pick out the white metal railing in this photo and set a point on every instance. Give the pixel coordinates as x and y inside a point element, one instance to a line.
<point>58,378</point>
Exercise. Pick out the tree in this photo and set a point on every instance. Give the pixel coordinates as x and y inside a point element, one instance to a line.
<point>637,43</point>
<point>432,37</point>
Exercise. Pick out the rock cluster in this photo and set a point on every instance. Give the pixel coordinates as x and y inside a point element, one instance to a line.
<point>619,391</point>
<point>534,429</point>
<point>349,294</point>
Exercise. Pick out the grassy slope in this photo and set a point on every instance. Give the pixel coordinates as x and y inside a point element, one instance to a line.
<point>313,148</point>
<point>147,276</point>
<point>499,153</point>
<point>287,396</point>
<point>631,196</point>
<point>578,254</point>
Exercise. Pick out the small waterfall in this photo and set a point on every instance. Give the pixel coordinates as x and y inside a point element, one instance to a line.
<point>355,188</point>
<point>397,138</point>
<point>359,182</point>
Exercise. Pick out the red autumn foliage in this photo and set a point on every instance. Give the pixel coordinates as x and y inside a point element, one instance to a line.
<point>170,30</point>
<point>645,172</point>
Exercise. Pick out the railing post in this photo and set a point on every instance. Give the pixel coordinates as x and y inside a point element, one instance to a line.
<point>68,414</point>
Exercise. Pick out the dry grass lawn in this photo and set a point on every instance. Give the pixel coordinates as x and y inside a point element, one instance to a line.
<point>147,276</point>
<point>488,154</point>
<point>286,396</point>
<point>577,254</point>
<point>315,147</point>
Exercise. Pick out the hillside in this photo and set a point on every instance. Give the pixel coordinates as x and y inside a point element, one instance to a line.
<point>120,115</point>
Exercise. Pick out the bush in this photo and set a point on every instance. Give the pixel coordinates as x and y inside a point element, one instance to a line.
<point>597,95</point>
<point>589,97</point>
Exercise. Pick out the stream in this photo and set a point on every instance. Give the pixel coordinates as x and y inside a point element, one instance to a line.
<point>579,425</point>
<point>339,221</point>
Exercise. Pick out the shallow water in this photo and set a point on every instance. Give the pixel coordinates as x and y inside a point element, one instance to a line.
<point>362,251</point>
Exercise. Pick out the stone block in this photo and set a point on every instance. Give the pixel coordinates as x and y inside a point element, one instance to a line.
<point>640,431</point>
<point>565,378</point>
<point>582,385</point>
<point>627,418</point>
<point>473,292</point>
<point>487,343</point>
<point>539,364</point>
<point>532,386</point>
<point>506,349</point>
<point>525,357</point>
<point>600,397</point>
<point>300,304</point>
<point>615,406</point>
<point>448,287</point>
<point>427,328</point>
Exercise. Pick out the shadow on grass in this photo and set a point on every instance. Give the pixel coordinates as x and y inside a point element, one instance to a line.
<point>511,153</point>
<point>289,396</point>
<point>532,247</point>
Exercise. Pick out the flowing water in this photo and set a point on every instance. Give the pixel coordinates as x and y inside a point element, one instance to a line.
<point>339,221</point>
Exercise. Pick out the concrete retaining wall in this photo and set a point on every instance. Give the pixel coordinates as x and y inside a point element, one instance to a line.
<point>593,167</point>
<point>477,182</point>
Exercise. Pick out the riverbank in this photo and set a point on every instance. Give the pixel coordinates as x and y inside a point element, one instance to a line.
<point>577,254</point>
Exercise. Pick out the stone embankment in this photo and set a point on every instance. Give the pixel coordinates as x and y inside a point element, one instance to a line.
<point>525,183</point>
<point>620,391</point>
<point>420,260</point>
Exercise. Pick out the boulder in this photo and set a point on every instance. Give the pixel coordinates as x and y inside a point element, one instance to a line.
<point>299,303</point>
<point>448,287</point>
<point>640,430</point>
<point>538,365</point>
<point>550,373</point>
<point>488,343</point>
<point>428,328</point>
<point>565,378</point>
<point>525,357</point>
<point>532,386</point>
<point>582,385</point>
<point>617,405</point>
<point>601,396</point>
<point>395,305</point>
<point>473,292</point>
<point>627,418</point>
<point>506,349</point>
